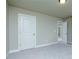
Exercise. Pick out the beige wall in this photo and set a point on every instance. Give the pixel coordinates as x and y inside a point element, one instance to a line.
<point>46,27</point>
<point>69,30</point>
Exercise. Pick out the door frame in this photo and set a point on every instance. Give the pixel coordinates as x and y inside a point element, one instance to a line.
<point>62,39</point>
<point>19,45</point>
<point>59,22</point>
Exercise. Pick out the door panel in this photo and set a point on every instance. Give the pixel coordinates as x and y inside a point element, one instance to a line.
<point>26,29</point>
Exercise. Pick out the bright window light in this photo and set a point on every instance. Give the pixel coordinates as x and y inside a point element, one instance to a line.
<point>62,1</point>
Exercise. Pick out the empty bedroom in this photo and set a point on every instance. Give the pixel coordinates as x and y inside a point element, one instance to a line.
<point>39,29</point>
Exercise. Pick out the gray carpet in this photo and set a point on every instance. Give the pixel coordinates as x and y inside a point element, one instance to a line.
<point>57,51</point>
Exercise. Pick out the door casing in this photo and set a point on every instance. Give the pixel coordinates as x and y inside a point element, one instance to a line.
<point>19,30</point>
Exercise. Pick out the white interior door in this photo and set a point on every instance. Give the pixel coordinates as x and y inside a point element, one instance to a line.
<point>26,31</point>
<point>65,31</point>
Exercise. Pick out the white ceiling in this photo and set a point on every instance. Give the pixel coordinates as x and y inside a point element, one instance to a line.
<point>50,7</point>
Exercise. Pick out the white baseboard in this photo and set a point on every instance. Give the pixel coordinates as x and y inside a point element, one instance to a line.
<point>37,46</point>
<point>13,51</point>
<point>46,44</point>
